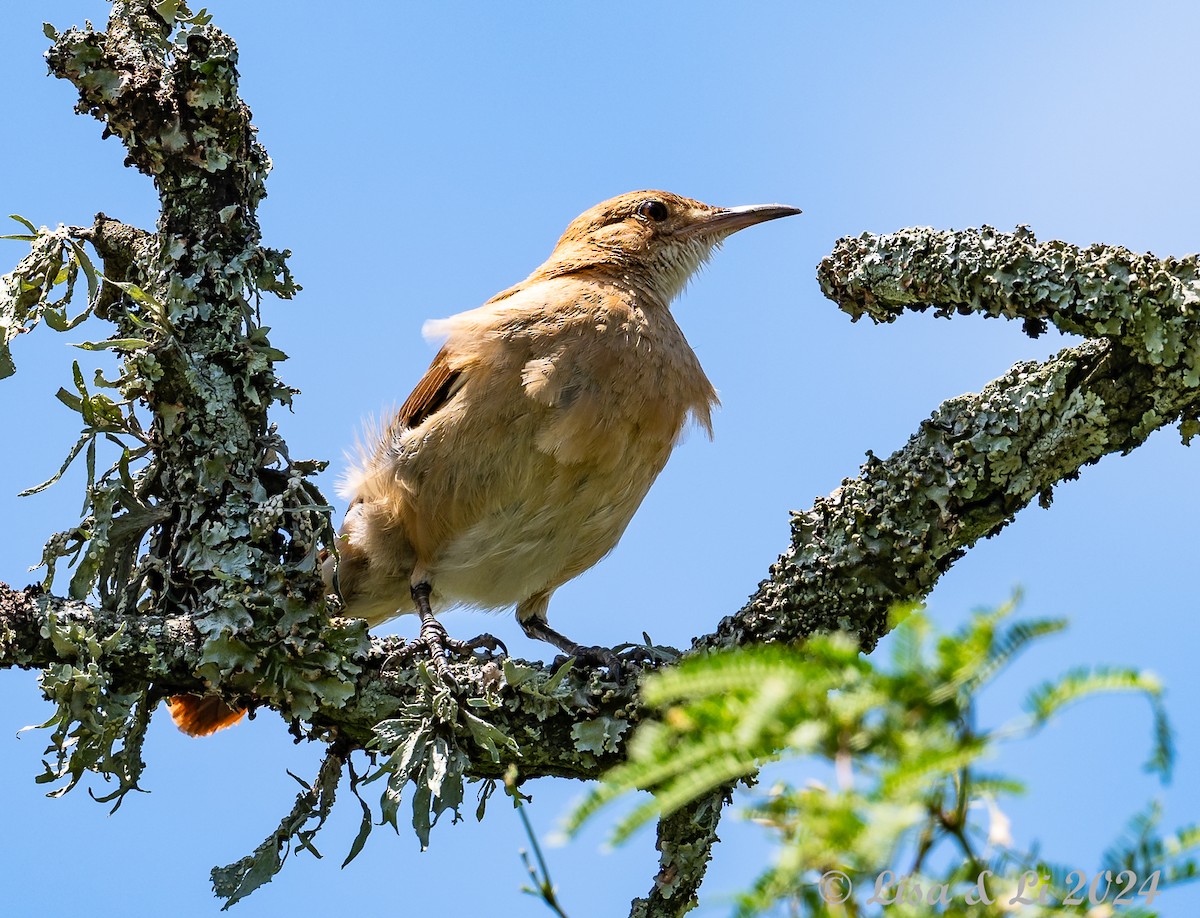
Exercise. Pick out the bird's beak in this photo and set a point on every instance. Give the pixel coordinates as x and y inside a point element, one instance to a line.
<point>728,220</point>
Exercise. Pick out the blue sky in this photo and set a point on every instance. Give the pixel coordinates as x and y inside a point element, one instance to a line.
<point>427,156</point>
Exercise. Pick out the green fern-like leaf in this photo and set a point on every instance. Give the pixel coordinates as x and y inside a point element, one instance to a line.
<point>998,654</point>
<point>1049,698</point>
<point>930,765</point>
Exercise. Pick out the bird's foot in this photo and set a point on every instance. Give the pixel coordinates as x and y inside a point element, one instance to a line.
<point>439,647</point>
<point>622,657</point>
<point>648,653</point>
<point>615,660</point>
<point>488,643</point>
<point>594,657</point>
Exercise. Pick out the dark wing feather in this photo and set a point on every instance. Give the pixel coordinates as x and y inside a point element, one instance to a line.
<point>439,384</point>
<point>435,389</point>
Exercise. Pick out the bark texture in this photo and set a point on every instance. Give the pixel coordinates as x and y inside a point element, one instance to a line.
<point>202,540</point>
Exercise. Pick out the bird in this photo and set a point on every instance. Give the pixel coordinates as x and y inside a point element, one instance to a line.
<point>522,454</point>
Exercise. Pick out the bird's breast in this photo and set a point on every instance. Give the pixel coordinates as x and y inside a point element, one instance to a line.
<point>533,471</point>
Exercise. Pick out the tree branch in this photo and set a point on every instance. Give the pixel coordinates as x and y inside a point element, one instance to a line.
<point>888,535</point>
<point>884,537</point>
<point>685,842</point>
<point>233,524</point>
<point>227,596</point>
<point>572,727</point>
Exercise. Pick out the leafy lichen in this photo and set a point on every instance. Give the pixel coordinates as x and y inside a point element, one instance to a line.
<point>889,534</point>
<point>204,520</point>
<point>98,725</point>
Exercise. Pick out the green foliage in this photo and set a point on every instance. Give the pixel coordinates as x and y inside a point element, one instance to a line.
<point>1142,849</point>
<point>424,745</point>
<point>428,744</point>
<point>905,751</point>
<point>97,726</point>
<point>40,288</point>
<point>314,802</point>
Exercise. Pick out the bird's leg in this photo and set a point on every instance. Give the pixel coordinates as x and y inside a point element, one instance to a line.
<point>536,628</point>
<point>433,633</point>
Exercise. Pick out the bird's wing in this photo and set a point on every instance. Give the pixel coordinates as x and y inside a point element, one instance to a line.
<point>576,419</point>
<point>435,389</point>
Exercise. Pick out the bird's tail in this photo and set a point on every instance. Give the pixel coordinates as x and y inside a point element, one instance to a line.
<point>200,715</point>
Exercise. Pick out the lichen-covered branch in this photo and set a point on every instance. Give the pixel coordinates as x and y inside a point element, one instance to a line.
<point>888,535</point>
<point>230,523</point>
<point>201,539</point>
<point>685,843</point>
<point>1102,291</point>
<point>883,537</point>
<point>547,723</point>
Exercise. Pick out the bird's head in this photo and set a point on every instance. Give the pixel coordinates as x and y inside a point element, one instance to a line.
<point>653,239</point>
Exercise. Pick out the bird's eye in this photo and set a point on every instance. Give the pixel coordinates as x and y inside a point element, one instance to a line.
<point>655,210</point>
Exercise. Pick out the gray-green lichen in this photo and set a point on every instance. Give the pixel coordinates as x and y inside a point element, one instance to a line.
<point>297,829</point>
<point>231,524</point>
<point>202,512</point>
<point>98,725</point>
<point>200,540</point>
<point>886,536</point>
<point>1145,303</point>
<point>94,677</point>
<point>41,287</point>
<point>685,842</point>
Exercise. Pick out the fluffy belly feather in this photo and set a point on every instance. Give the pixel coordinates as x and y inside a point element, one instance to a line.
<point>539,541</point>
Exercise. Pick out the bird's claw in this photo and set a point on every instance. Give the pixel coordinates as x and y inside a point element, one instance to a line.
<point>620,658</point>
<point>488,643</point>
<point>438,646</point>
<point>595,657</point>
<point>648,653</point>
<point>432,646</point>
